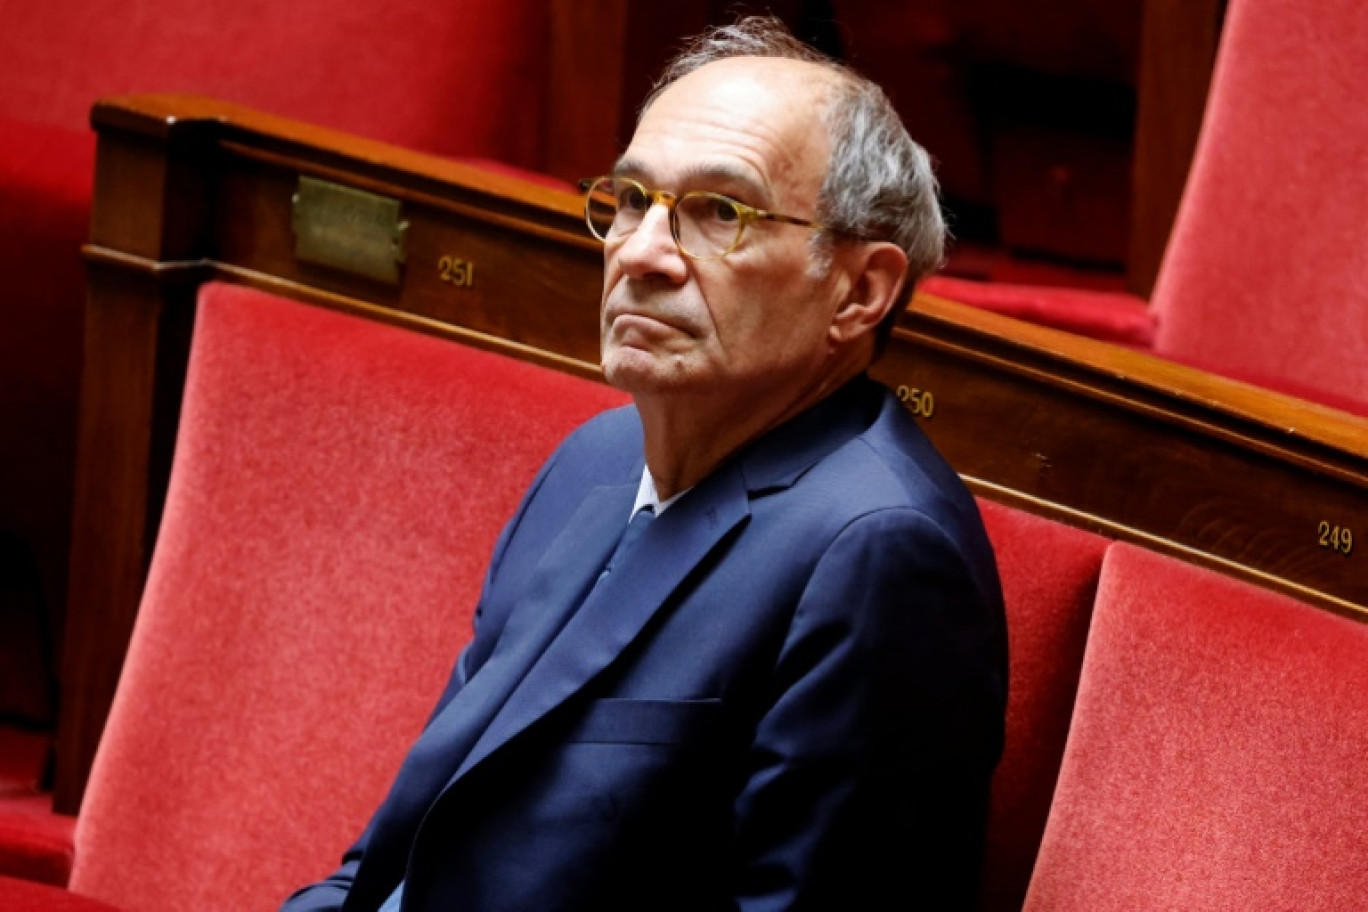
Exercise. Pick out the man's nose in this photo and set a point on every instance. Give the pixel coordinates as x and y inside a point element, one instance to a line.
<point>651,249</point>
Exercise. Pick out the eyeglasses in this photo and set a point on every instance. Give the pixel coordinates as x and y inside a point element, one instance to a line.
<point>705,226</point>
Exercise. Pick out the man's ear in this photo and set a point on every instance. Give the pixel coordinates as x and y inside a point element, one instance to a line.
<point>877,270</point>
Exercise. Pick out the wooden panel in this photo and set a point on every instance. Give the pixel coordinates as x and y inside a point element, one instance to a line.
<point>137,333</point>
<point>1177,52</point>
<point>587,91</point>
<point>498,247</point>
<point>1226,475</point>
<point>1214,471</point>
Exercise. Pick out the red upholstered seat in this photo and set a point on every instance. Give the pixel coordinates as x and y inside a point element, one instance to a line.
<point>45,180</point>
<point>27,896</point>
<point>337,489</point>
<point>1217,755</point>
<point>462,79</point>
<point>1109,316</point>
<point>1049,577</point>
<point>1266,273</point>
<point>35,843</point>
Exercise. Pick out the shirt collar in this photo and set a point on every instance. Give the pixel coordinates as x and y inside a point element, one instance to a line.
<point>647,496</point>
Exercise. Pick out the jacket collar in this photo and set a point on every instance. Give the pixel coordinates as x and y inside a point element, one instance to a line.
<point>781,456</point>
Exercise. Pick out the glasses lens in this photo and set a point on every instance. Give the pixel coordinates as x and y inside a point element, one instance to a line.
<point>615,206</point>
<point>709,224</point>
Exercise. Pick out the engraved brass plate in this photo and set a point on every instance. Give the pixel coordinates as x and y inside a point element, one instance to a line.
<point>349,229</point>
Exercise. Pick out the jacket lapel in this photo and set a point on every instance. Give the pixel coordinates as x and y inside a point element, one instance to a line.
<point>562,576</point>
<point>615,612</point>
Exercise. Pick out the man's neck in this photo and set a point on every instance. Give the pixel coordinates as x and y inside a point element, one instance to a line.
<point>687,437</point>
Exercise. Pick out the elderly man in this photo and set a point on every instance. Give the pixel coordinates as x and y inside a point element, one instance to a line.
<point>742,645</point>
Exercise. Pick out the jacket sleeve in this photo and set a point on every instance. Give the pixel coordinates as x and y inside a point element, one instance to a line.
<point>329,893</point>
<point>868,776</point>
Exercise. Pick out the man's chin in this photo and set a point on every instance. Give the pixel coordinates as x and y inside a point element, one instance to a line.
<point>637,371</point>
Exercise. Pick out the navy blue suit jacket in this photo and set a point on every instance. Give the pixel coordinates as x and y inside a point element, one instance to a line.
<point>789,696</point>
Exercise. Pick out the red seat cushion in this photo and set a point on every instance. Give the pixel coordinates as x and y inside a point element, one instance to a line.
<point>27,896</point>
<point>1105,315</point>
<point>337,489</point>
<point>1216,758</point>
<point>1049,578</point>
<point>35,843</point>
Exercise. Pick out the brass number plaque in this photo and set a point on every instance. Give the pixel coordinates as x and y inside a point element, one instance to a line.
<point>460,273</point>
<point>918,401</point>
<point>349,229</point>
<point>1336,538</point>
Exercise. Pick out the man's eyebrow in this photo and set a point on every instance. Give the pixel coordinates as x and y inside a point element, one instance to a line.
<point>704,176</point>
<point>630,167</point>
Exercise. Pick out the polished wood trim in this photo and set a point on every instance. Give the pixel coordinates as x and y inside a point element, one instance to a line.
<point>1226,474</point>
<point>165,117</point>
<point>137,332</point>
<point>587,88</point>
<point>1227,406</point>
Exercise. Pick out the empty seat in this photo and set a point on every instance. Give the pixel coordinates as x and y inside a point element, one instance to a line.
<point>1217,754</point>
<point>1049,579</point>
<point>337,489</point>
<point>1265,277</point>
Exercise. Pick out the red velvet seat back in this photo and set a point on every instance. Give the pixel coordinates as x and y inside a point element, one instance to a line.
<point>1266,272</point>
<point>1218,757</point>
<point>45,181</point>
<point>466,77</point>
<point>337,489</point>
<point>1049,578</point>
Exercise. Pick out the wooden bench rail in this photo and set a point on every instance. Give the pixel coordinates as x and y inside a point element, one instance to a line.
<point>189,189</point>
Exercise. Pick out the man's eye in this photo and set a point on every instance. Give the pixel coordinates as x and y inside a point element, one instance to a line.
<point>633,200</point>
<point>724,210</point>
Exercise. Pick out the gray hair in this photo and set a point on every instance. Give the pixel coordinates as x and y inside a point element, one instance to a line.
<point>879,182</point>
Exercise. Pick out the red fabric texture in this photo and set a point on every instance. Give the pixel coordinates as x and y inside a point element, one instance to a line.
<point>26,896</point>
<point>1049,578</point>
<point>1216,758</point>
<point>461,79</point>
<point>337,489</point>
<point>464,78</point>
<point>1266,273</point>
<point>45,184</point>
<point>35,843</point>
<point>23,757</point>
<point>1106,315</point>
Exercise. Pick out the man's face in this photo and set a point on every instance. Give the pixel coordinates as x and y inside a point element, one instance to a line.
<point>753,324</point>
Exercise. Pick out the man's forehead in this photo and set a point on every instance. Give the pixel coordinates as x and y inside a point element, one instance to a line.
<point>758,80</point>
<point>740,121</point>
<point>764,69</point>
